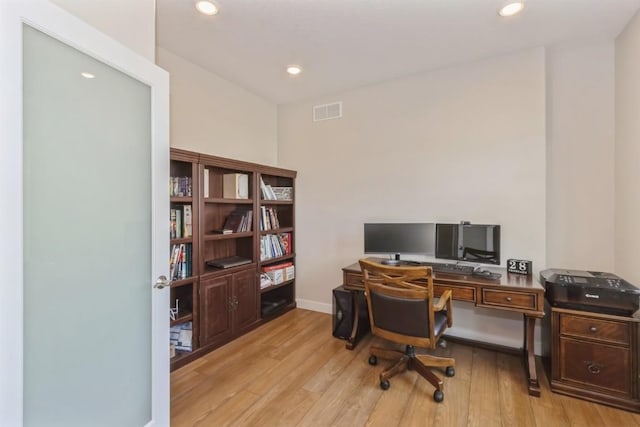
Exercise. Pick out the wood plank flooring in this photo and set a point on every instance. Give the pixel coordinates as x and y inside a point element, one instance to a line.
<point>292,372</point>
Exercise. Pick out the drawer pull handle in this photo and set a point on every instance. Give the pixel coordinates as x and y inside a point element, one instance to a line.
<point>508,299</point>
<point>593,329</point>
<point>593,368</point>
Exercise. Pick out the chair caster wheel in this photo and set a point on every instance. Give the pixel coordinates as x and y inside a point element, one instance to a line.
<point>450,371</point>
<point>438,396</point>
<point>385,384</point>
<point>373,360</point>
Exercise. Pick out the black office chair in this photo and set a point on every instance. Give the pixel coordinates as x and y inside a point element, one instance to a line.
<point>402,310</point>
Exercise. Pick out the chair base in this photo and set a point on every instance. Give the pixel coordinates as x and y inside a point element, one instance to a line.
<point>409,360</point>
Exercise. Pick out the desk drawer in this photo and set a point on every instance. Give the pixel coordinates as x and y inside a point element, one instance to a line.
<point>595,365</point>
<point>459,293</point>
<point>596,329</point>
<point>353,280</point>
<point>506,299</point>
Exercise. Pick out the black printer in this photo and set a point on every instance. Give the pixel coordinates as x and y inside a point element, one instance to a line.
<point>590,291</point>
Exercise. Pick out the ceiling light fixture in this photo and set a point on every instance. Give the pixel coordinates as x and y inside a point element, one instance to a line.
<point>511,8</point>
<point>294,70</point>
<point>206,7</point>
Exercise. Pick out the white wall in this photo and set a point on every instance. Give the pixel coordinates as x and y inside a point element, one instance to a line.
<point>135,29</point>
<point>462,143</point>
<point>580,157</point>
<point>627,157</point>
<point>213,116</point>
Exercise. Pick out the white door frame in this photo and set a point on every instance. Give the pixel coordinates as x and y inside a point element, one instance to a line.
<point>55,22</point>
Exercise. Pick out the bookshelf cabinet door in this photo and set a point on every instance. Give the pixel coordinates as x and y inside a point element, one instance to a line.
<point>216,304</point>
<point>246,294</point>
<point>90,190</point>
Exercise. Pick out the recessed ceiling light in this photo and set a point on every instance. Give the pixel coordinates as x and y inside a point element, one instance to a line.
<point>88,75</point>
<point>206,7</point>
<point>294,70</point>
<point>511,9</point>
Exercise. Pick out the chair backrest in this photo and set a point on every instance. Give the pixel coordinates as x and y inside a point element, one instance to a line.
<point>400,303</point>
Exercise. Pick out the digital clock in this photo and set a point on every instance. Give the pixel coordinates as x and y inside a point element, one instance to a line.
<point>519,266</point>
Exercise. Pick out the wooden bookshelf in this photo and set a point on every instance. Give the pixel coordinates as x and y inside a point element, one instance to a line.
<point>228,302</point>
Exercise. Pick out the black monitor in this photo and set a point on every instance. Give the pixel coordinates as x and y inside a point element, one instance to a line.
<point>399,238</point>
<point>468,242</point>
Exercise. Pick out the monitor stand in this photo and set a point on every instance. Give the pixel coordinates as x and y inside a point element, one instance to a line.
<point>395,261</point>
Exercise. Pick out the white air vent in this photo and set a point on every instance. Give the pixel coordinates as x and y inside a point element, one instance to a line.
<point>327,111</point>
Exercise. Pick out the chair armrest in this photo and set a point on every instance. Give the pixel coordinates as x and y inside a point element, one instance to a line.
<point>445,302</point>
<point>445,298</point>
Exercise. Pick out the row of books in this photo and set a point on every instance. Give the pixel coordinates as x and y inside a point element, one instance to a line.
<point>275,193</point>
<point>181,335</point>
<point>275,245</point>
<point>269,218</point>
<point>180,222</point>
<point>237,222</point>
<point>180,186</point>
<point>180,261</point>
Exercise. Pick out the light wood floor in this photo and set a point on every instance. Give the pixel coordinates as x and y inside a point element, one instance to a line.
<point>292,372</point>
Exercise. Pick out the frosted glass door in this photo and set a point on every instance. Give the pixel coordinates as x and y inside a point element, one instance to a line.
<point>87,239</point>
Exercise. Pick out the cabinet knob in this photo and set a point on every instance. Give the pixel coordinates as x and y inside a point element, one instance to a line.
<point>593,329</point>
<point>593,368</point>
<point>508,299</point>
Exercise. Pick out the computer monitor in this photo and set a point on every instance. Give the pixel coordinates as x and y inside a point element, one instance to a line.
<point>399,238</point>
<point>468,242</point>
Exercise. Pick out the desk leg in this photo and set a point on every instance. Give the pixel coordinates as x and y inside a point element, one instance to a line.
<point>529,355</point>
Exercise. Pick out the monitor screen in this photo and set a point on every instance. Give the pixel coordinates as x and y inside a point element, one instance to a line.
<point>468,242</point>
<point>399,238</point>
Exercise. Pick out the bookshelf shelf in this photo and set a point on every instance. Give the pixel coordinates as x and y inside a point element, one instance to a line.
<point>273,287</point>
<point>176,199</point>
<point>277,259</point>
<point>276,231</point>
<point>219,236</point>
<point>183,282</point>
<point>225,303</point>
<point>229,201</point>
<point>182,318</point>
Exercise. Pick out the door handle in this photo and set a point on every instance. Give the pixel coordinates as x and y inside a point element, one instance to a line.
<point>162,282</point>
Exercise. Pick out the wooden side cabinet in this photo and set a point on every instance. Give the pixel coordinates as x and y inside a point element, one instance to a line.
<point>229,305</point>
<point>595,357</point>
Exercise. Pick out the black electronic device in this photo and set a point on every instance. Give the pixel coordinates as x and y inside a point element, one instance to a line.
<point>486,274</point>
<point>228,262</point>
<point>344,302</point>
<point>399,238</point>
<point>594,291</point>
<point>468,242</point>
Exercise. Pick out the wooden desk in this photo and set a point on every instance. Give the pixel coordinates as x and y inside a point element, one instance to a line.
<point>522,294</point>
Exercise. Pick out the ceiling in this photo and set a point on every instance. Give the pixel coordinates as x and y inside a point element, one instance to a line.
<point>343,44</point>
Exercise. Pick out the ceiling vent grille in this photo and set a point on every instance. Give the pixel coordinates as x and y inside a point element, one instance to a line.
<point>327,111</point>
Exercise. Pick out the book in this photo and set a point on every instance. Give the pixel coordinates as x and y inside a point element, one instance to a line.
<point>223,231</point>
<point>188,222</point>
<point>178,233</point>
<point>205,189</point>
<point>172,224</point>
<point>233,222</point>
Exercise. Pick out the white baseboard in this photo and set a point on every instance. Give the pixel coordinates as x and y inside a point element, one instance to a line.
<point>314,306</point>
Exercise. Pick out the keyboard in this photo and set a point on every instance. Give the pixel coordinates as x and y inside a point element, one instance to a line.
<point>452,268</point>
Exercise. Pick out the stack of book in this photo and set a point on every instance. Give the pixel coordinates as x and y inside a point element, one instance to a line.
<point>180,266</point>
<point>237,222</point>
<point>267,191</point>
<point>180,222</point>
<point>275,245</point>
<point>180,336</point>
<point>180,186</point>
<point>269,218</point>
